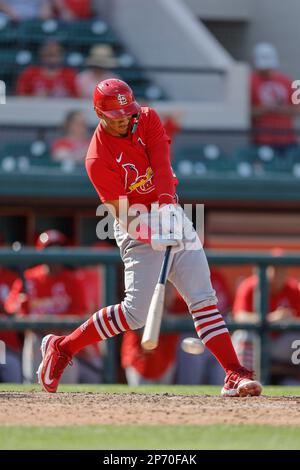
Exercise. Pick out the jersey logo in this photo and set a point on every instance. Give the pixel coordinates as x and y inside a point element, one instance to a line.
<point>119,158</point>
<point>122,99</point>
<point>133,181</point>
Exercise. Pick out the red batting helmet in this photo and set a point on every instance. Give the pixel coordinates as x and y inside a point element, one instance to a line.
<point>115,99</point>
<point>50,237</point>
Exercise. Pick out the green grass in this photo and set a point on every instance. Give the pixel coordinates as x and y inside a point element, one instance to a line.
<point>176,389</point>
<point>150,437</point>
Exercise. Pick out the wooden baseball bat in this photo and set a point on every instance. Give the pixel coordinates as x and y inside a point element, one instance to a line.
<point>155,312</point>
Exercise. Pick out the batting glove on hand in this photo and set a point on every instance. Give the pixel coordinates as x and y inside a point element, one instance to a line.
<point>169,229</point>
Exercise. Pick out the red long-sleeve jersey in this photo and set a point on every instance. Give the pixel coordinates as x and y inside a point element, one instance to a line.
<point>137,166</point>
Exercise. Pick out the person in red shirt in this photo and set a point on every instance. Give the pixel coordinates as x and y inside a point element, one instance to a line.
<point>271,98</point>
<point>128,162</point>
<point>74,143</point>
<point>159,365</point>
<point>51,78</point>
<point>172,123</point>
<point>284,305</point>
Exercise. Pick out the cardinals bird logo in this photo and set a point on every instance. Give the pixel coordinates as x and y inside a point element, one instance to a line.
<point>133,181</point>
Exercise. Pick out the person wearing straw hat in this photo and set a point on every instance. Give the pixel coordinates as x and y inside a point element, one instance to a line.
<point>99,61</point>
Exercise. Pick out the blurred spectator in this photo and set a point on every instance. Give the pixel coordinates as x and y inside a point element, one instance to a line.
<point>94,278</point>
<point>101,58</point>
<point>21,10</point>
<point>53,290</point>
<point>51,78</point>
<point>222,289</point>
<point>271,99</point>
<point>74,143</point>
<point>204,368</point>
<point>11,371</point>
<point>284,305</point>
<point>157,366</point>
<point>71,10</point>
<point>172,123</point>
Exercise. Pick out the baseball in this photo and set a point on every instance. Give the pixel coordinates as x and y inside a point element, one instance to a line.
<point>192,346</point>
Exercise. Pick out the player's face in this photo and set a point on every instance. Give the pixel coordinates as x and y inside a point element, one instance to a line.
<point>116,127</point>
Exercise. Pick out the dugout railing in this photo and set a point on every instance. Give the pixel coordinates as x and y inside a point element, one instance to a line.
<point>28,257</point>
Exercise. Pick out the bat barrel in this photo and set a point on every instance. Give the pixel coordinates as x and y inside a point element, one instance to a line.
<point>152,327</point>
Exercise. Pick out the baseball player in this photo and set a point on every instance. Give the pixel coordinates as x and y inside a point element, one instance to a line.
<point>128,163</point>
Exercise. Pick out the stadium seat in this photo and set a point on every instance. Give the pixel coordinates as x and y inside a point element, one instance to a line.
<point>35,32</point>
<point>244,159</point>
<point>13,59</point>
<point>198,160</point>
<point>35,149</point>
<point>87,33</point>
<point>77,37</point>
<point>146,90</point>
<point>293,160</point>
<point>74,58</point>
<point>31,156</point>
<point>24,164</point>
<point>132,76</point>
<point>259,161</point>
<point>8,31</point>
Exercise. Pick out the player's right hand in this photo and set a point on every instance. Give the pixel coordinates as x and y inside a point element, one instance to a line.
<point>170,231</point>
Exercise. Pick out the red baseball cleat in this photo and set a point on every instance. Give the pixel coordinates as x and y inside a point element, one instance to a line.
<point>53,363</point>
<point>240,383</point>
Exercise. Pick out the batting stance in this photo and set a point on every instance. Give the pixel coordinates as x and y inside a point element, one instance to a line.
<point>128,162</point>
